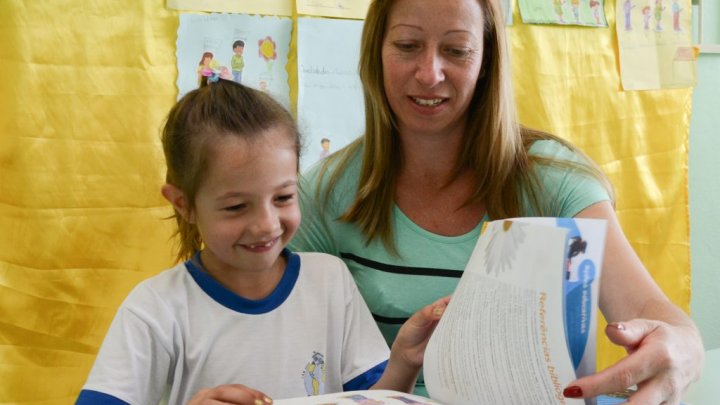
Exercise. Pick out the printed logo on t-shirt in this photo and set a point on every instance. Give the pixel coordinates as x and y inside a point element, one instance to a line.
<point>314,375</point>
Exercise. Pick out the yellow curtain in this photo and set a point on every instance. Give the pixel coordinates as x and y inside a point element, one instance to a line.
<point>86,86</point>
<point>567,82</point>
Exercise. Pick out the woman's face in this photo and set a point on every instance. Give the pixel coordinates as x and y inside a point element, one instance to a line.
<point>431,55</point>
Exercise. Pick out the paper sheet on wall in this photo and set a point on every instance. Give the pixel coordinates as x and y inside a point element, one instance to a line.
<point>266,7</point>
<point>655,41</point>
<point>356,9</point>
<point>564,12</point>
<point>521,324</point>
<point>208,40</point>
<point>330,101</point>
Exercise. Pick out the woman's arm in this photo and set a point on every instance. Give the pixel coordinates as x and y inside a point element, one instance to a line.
<point>665,351</point>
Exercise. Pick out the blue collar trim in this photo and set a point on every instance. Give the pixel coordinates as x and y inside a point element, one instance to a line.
<point>232,301</point>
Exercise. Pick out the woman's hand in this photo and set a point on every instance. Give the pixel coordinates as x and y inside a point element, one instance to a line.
<point>663,360</point>
<point>236,394</point>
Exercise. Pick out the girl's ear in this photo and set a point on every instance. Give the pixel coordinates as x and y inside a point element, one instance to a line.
<point>178,200</point>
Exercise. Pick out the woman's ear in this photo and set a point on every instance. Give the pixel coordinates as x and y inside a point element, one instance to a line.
<point>178,200</point>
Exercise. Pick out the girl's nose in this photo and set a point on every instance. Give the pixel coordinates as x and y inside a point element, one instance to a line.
<point>430,69</point>
<point>266,220</point>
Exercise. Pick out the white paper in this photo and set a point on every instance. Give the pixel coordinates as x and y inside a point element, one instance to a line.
<point>330,100</point>
<point>267,43</point>
<point>368,397</point>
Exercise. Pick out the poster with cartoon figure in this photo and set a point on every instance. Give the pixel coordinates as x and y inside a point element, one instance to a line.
<point>264,7</point>
<point>249,49</point>
<point>589,13</point>
<point>355,9</point>
<point>331,110</point>
<point>655,41</point>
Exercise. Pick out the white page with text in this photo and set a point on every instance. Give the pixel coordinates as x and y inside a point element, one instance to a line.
<point>502,339</point>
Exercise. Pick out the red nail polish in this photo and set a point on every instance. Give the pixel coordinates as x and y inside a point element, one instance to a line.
<point>573,392</point>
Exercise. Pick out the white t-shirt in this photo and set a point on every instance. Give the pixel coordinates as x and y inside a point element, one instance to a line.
<point>312,335</point>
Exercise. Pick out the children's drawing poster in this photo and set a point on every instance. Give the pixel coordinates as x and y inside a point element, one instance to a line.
<point>330,101</point>
<point>355,9</point>
<point>266,7</point>
<point>655,42</point>
<point>589,13</point>
<point>252,50</point>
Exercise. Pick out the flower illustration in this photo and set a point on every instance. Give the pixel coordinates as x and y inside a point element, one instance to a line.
<point>267,49</point>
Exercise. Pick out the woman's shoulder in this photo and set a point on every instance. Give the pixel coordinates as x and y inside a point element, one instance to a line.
<point>553,149</point>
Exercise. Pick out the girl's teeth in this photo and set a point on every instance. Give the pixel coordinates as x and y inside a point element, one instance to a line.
<point>261,245</point>
<point>427,102</point>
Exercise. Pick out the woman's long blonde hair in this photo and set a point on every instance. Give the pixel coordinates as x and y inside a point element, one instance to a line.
<point>494,147</point>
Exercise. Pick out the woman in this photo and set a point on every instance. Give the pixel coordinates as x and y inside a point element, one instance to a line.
<point>404,204</point>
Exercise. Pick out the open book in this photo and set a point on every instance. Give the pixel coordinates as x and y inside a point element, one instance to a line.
<point>521,323</point>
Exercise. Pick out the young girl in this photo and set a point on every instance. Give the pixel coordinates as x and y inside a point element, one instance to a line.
<point>242,313</point>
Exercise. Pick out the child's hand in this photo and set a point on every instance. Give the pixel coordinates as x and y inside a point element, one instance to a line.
<point>414,335</point>
<point>408,350</point>
<point>230,394</point>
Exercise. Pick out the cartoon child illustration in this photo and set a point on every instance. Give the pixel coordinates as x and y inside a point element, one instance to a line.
<point>576,9</point>
<point>314,375</point>
<point>325,150</point>
<point>658,15</point>
<point>627,12</point>
<point>576,246</point>
<point>237,63</point>
<point>595,7</point>
<point>646,17</point>
<point>558,6</point>
<point>207,62</point>
<point>676,16</point>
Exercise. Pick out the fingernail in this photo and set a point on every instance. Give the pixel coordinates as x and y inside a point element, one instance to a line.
<point>259,402</point>
<point>616,325</point>
<point>573,392</point>
<point>438,311</point>
<point>267,400</point>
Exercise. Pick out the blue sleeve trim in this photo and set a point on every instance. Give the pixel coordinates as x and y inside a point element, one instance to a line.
<point>367,379</point>
<point>89,397</point>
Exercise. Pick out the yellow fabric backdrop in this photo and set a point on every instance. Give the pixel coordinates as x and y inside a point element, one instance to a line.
<point>86,85</point>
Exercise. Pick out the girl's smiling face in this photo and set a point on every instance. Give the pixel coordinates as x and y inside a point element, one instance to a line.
<point>247,206</point>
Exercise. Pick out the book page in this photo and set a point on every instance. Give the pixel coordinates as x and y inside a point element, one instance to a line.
<point>367,397</point>
<point>502,338</point>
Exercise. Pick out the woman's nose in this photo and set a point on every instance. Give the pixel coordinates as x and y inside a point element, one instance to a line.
<point>430,68</point>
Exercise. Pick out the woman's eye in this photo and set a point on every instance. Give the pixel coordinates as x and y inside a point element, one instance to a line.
<point>405,46</point>
<point>458,52</point>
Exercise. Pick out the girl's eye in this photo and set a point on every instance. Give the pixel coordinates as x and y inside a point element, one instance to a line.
<point>285,198</point>
<point>236,207</point>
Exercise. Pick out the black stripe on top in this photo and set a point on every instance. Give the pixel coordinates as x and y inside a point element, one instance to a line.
<point>388,320</point>
<point>391,268</point>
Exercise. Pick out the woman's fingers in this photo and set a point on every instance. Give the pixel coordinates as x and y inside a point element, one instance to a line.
<point>652,364</point>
